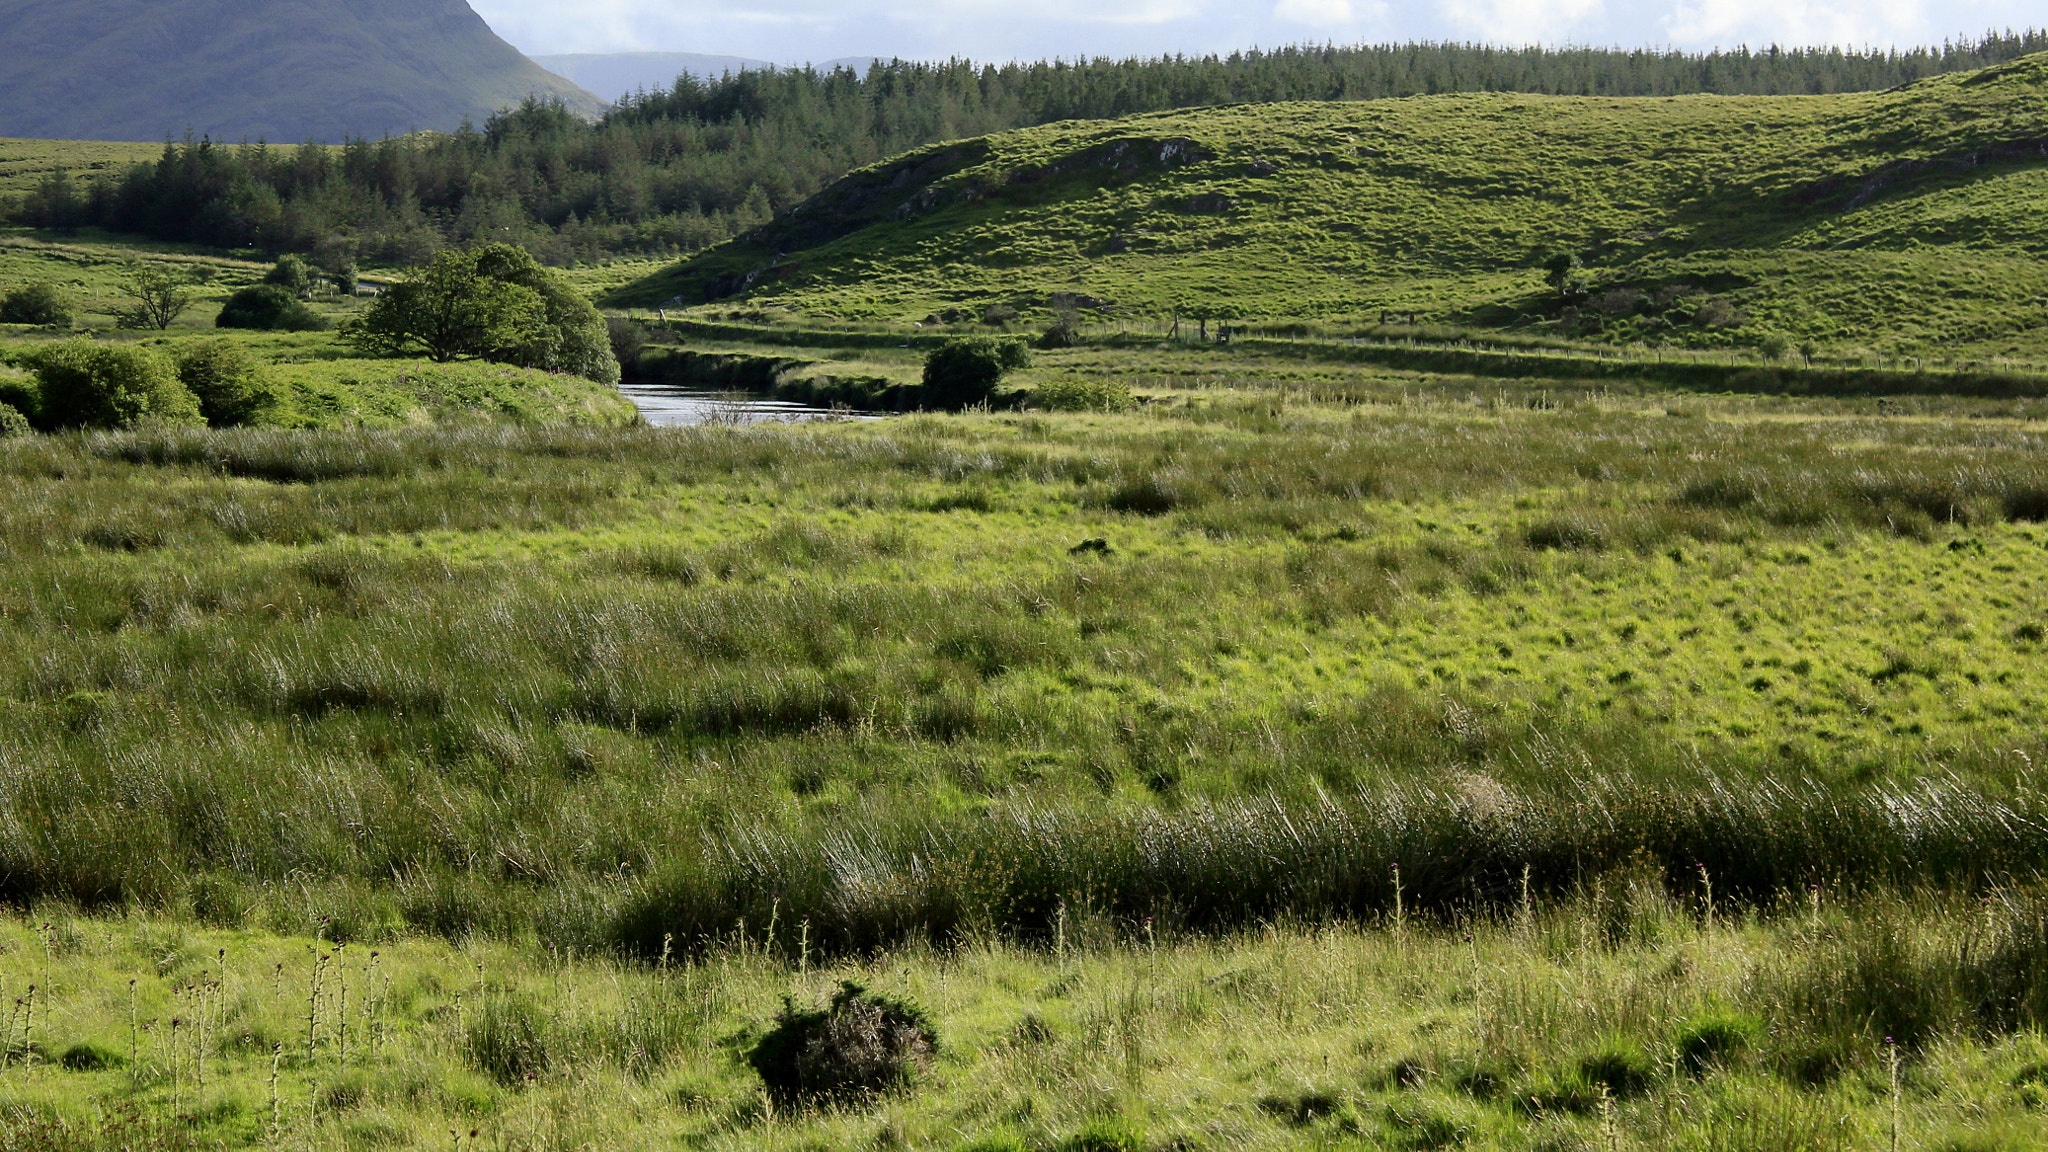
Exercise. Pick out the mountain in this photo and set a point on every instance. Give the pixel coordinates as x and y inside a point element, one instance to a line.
<point>283,70</point>
<point>1907,219</point>
<point>616,74</point>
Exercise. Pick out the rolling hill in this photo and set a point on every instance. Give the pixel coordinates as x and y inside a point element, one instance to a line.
<point>234,70</point>
<point>1903,221</point>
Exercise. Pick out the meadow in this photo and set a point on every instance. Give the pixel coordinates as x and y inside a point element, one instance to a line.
<point>1310,754</point>
<point>1532,724</point>
<point>1618,1020</point>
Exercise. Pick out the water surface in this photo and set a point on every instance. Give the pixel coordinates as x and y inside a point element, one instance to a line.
<point>672,406</point>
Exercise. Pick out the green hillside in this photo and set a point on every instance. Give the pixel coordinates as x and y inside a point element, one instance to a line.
<point>307,70</point>
<point>26,163</point>
<point>1902,222</point>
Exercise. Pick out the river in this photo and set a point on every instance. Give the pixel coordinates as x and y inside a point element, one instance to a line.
<point>670,406</point>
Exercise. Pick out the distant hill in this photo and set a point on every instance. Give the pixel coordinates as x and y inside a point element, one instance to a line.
<point>614,75</point>
<point>1909,219</point>
<point>288,70</point>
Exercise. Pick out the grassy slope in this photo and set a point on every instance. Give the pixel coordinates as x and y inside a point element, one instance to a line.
<point>24,163</point>
<point>1444,204</point>
<point>316,69</point>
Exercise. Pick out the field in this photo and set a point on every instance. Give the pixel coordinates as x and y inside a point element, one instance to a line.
<point>1894,223</point>
<point>1314,754</point>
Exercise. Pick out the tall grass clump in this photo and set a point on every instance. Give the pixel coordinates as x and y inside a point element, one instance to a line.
<point>1436,852</point>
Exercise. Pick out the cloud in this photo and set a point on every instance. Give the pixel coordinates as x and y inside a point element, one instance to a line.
<point>1797,21</point>
<point>1078,11</point>
<point>1319,12</point>
<point>1522,21</point>
<point>795,30</point>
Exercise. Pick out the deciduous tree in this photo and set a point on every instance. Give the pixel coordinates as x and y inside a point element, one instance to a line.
<point>157,296</point>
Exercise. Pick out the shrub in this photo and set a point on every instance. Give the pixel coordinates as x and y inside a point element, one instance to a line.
<point>1063,332</point>
<point>291,274</point>
<point>228,385</point>
<point>89,385</point>
<point>12,422</point>
<point>963,372</point>
<point>628,341</point>
<point>20,392</point>
<point>36,304</point>
<point>858,1045</point>
<point>1073,394</point>
<point>267,308</point>
<point>343,273</point>
<point>492,303</point>
<point>157,296</point>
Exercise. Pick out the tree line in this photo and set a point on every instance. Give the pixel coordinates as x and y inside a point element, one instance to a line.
<point>676,170</point>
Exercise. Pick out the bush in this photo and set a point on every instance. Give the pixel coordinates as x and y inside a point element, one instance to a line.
<point>39,304</point>
<point>267,308</point>
<point>89,385</point>
<point>228,385</point>
<point>292,274</point>
<point>491,303</point>
<point>628,339</point>
<point>1077,395</point>
<point>156,296</point>
<point>858,1045</point>
<point>1063,332</point>
<point>12,422</point>
<point>964,372</point>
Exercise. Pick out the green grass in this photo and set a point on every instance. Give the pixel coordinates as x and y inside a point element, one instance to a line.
<point>589,649</point>
<point>25,163</point>
<point>1794,210</point>
<point>1618,1019</point>
<point>1313,753</point>
<point>321,380</point>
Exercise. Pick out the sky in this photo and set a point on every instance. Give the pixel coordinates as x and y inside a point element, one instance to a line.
<point>794,31</point>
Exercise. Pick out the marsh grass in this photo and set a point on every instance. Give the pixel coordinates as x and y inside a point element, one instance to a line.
<point>620,685</point>
<point>1757,1031</point>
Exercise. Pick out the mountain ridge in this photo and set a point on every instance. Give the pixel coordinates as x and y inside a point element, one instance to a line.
<point>284,70</point>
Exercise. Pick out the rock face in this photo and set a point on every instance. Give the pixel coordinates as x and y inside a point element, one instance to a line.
<point>279,70</point>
